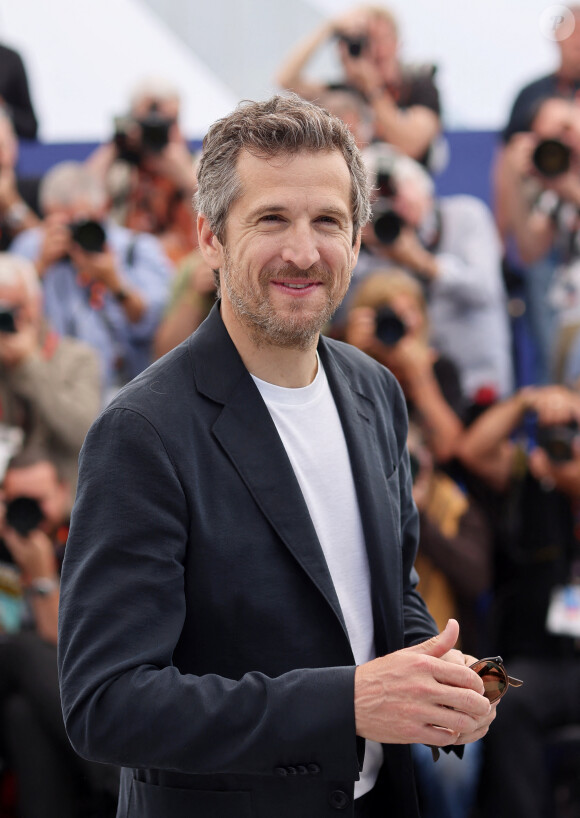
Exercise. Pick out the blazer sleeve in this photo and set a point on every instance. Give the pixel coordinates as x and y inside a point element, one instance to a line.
<point>123,606</point>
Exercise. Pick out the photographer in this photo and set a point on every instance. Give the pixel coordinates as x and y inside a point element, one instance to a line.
<point>102,284</point>
<point>454,563</point>
<point>538,201</point>
<point>50,387</point>
<point>51,780</point>
<point>387,319</point>
<point>451,245</point>
<point>18,196</point>
<point>149,171</point>
<point>404,99</point>
<point>527,449</point>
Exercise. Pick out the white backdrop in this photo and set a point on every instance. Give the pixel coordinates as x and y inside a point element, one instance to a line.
<point>83,57</point>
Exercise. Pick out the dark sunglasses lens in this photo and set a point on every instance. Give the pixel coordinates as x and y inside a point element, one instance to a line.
<point>494,679</point>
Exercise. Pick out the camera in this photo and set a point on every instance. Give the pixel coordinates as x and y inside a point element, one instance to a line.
<point>389,327</point>
<point>24,515</point>
<point>89,235</point>
<point>387,224</point>
<point>558,441</point>
<point>355,45</point>
<point>552,158</point>
<point>7,319</point>
<point>135,138</point>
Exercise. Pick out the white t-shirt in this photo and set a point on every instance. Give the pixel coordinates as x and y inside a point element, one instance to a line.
<point>310,429</point>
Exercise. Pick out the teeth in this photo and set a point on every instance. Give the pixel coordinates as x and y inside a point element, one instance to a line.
<point>297,286</point>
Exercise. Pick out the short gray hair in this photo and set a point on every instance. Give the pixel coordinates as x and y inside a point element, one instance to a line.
<point>67,182</point>
<point>15,269</point>
<point>280,125</point>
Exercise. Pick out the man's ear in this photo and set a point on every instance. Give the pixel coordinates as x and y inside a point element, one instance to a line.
<point>209,244</point>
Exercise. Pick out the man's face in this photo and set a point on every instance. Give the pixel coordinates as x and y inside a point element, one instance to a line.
<point>288,252</point>
<point>559,119</point>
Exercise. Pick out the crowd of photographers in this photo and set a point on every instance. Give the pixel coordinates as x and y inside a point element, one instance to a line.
<point>99,275</point>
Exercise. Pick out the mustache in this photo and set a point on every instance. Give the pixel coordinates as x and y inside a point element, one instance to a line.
<point>314,273</point>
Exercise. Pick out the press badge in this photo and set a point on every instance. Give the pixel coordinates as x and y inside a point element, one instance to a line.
<point>564,611</point>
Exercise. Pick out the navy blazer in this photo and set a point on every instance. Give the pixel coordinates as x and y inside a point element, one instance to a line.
<point>202,646</point>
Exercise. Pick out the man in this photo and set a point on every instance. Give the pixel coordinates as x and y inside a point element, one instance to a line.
<point>451,245</point>
<point>148,169</point>
<point>403,99</point>
<point>51,779</point>
<point>18,195</point>
<point>103,284</point>
<point>538,207</point>
<point>50,386</point>
<point>244,532</point>
<point>527,450</point>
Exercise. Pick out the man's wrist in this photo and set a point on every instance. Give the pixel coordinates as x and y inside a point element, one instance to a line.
<point>42,586</point>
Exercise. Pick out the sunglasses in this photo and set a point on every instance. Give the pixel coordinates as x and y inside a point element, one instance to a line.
<point>495,685</point>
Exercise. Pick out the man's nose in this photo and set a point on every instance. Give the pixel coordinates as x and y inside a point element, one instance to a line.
<point>300,247</point>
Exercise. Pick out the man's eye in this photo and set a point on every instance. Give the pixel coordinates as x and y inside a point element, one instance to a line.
<point>271,217</point>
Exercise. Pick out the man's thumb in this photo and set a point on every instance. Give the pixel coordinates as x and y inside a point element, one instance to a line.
<point>442,643</point>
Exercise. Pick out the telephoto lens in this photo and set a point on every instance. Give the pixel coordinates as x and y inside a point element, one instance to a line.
<point>552,158</point>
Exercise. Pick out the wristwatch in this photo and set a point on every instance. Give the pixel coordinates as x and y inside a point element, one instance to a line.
<point>43,586</point>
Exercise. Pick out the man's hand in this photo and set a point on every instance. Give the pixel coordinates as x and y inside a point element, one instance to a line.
<point>55,244</point>
<point>96,267</point>
<point>34,554</point>
<point>16,347</point>
<point>416,695</point>
<point>408,251</point>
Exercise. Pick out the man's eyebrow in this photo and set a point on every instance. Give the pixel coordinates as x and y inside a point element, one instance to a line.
<point>330,210</point>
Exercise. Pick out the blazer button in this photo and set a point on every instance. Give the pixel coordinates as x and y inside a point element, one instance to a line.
<point>301,769</point>
<point>339,799</point>
<point>281,771</point>
<point>313,769</point>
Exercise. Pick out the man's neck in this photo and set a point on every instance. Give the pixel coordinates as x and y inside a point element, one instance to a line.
<point>289,367</point>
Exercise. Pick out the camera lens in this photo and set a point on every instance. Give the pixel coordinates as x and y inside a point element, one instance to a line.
<point>389,327</point>
<point>387,226</point>
<point>552,158</point>
<point>89,235</point>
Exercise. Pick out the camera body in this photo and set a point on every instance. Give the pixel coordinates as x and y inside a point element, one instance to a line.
<point>89,235</point>
<point>136,138</point>
<point>558,441</point>
<point>387,224</point>
<point>7,319</point>
<point>355,45</point>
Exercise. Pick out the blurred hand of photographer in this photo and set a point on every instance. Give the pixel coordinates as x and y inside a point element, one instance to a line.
<point>96,267</point>
<point>562,476</point>
<point>408,251</point>
<point>552,404</point>
<point>517,155</point>
<point>361,326</point>
<point>19,346</point>
<point>8,189</point>
<point>175,163</point>
<point>55,243</point>
<point>34,554</point>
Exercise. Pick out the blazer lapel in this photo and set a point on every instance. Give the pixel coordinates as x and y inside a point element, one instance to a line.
<point>370,468</point>
<point>249,437</point>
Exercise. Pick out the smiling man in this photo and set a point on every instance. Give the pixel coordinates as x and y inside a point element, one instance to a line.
<point>242,544</point>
